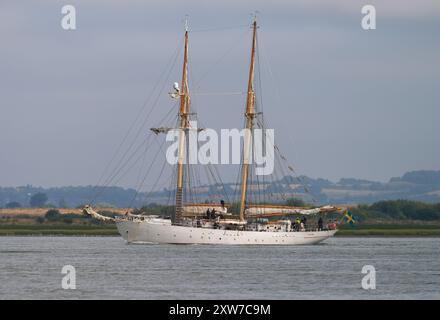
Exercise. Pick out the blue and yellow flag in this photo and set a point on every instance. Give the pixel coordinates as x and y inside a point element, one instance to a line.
<point>348,218</point>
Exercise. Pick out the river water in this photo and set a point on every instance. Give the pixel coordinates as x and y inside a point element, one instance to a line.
<point>108,268</point>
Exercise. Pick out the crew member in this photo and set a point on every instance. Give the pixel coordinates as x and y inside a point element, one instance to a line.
<point>320,223</point>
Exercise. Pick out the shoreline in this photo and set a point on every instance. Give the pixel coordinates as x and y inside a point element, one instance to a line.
<point>58,230</point>
<point>111,230</point>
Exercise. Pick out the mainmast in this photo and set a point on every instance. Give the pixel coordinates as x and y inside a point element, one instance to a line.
<point>184,125</point>
<point>249,116</point>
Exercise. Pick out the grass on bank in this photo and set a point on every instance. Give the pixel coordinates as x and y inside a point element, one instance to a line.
<point>409,230</point>
<point>65,230</point>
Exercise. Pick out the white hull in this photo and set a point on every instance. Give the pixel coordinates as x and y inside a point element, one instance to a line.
<point>161,231</point>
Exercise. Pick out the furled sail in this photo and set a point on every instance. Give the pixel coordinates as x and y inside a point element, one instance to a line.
<point>286,210</point>
<point>88,210</point>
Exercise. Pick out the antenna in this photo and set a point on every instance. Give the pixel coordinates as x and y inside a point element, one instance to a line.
<point>254,15</point>
<point>186,22</point>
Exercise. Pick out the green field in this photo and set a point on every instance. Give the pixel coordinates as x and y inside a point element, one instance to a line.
<point>407,230</point>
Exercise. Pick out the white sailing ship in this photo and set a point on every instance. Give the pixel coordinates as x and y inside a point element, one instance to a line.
<point>257,224</point>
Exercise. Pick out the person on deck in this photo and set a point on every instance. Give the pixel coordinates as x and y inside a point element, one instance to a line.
<point>298,224</point>
<point>320,223</point>
<point>304,221</point>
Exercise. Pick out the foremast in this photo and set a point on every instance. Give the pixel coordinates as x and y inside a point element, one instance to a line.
<point>184,126</point>
<point>249,118</point>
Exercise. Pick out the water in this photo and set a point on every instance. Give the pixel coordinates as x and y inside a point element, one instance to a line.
<point>107,268</point>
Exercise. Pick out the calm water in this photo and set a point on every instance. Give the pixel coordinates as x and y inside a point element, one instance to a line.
<point>107,268</point>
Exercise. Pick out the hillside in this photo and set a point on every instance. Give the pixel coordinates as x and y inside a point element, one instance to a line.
<point>420,185</point>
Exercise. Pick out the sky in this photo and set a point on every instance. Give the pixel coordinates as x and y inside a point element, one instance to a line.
<point>344,102</point>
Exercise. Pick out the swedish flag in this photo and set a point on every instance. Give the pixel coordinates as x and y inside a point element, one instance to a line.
<point>348,218</point>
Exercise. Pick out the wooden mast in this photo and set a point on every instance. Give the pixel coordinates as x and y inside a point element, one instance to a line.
<point>249,115</point>
<point>184,125</point>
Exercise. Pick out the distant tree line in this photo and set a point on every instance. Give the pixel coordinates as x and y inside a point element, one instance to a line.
<point>389,209</point>
<point>398,210</point>
<point>394,210</point>
<point>422,185</point>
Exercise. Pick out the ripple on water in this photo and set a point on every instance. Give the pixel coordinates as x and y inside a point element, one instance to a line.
<point>107,268</point>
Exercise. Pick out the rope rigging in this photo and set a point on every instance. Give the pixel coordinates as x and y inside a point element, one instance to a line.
<point>136,152</point>
<point>282,167</point>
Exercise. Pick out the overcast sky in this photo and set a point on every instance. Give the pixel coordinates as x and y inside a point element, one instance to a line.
<point>344,102</point>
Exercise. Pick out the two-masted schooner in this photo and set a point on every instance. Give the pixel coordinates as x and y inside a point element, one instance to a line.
<point>212,224</point>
